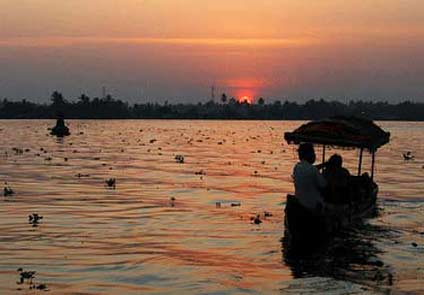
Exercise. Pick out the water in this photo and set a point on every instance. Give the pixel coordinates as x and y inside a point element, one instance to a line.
<point>134,239</point>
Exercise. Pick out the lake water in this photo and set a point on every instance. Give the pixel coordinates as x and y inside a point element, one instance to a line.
<point>135,239</point>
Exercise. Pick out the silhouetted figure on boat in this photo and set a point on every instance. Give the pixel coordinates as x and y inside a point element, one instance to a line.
<point>337,178</point>
<point>308,181</point>
<point>60,130</point>
<point>305,224</point>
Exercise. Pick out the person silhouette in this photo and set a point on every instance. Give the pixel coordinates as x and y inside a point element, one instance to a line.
<point>337,178</point>
<point>308,181</point>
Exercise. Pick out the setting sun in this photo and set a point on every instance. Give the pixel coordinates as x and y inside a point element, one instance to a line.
<point>246,98</point>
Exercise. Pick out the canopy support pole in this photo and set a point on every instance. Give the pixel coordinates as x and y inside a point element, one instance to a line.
<point>372,165</point>
<point>323,154</point>
<point>360,161</point>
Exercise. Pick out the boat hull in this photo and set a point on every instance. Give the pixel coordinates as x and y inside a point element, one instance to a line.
<point>303,228</point>
<point>60,131</point>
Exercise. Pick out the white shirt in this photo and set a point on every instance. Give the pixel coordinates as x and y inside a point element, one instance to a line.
<point>307,183</point>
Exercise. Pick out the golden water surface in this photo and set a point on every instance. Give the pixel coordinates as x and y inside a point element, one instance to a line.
<point>161,230</point>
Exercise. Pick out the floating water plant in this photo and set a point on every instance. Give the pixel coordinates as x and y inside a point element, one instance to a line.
<point>18,151</point>
<point>111,183</point>
<point>267,214</point>
<point>34,219</point>
<point>256,220</point>
<point>79,175</point>
<point>8,191</point>
<point>25,276</point>
<point>29,276</point>
<point>179,159</point>
<point>172,199</point>
<point>408,156</point>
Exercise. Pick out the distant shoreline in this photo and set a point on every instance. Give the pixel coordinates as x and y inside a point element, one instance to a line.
<point>184,119</point>
<point>109,108</point>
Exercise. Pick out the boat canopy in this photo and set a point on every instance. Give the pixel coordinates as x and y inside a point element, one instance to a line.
<point>341,131</point>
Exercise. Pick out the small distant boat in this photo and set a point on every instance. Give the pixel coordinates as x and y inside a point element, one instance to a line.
<point>60,130</point>
<point>301,226</point>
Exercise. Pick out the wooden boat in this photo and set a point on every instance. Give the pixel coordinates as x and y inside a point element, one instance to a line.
<point>303,227</point>
<point>60,130</point>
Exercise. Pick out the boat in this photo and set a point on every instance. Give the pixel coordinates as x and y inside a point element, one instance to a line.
<point>60,130</point>
<point>303,227</point>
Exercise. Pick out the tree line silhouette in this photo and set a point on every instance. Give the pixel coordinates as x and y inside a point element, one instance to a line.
<point>110,108</point>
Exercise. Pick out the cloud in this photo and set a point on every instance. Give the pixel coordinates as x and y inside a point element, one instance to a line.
<point>90,41</point>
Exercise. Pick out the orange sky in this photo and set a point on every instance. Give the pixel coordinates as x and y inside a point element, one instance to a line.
<point>176,49</point>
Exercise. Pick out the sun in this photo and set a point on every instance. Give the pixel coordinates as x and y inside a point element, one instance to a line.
<point>246,98</point>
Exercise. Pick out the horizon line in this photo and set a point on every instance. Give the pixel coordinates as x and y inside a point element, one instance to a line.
<point>63,41</point>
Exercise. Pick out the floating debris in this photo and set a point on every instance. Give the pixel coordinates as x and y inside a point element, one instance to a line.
<point>267,214</point>
<point>40,287</point>
<point>201,172</point>
<point>25,275</point>
<point>414,244</point>
<point>111,183</point>
<point>408,156</point>
<point>218,204</point>
<point>8,191</point>
<point>179,159</point>
<point>235,204</point>
<point>34,219</point>
<point>172,200</point>
<point>29,276</point>
<point>18,151</point>
<point>256,220</point>
<point>79,175</point>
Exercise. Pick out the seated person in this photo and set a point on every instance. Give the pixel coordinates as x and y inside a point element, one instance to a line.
<point>308,181</point>
<point>337,178</point>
